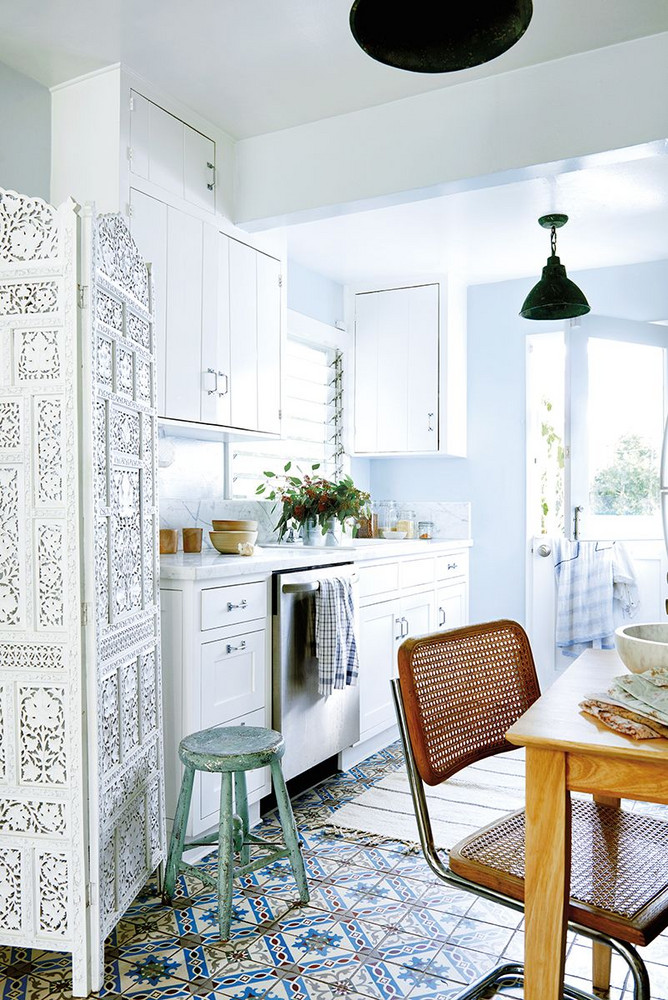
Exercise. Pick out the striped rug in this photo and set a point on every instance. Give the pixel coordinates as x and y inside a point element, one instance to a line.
<point>469,800</point>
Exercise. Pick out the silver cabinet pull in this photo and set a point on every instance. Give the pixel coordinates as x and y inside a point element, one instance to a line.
<point>399,622</point>
<point>231,607</point>
<point>235,649</point>
<point>211,371</point>
<point>577,514</point>
<point>404,625</point>
<point>430,417</point>
<point>441,617</point>
<point>452,565</point>
<point>212,182</point>
<point>227,383</point>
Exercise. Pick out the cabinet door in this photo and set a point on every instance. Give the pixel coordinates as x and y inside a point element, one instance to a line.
<point>393,363</point>
<point>148,224</point>
<point>366,372</point>
<point>268,343</point>
<point>422,369</point>
<point>166,150</point>
<point>379,638</point>
<point>140,136</point>
<point>243,336</point>
<point>452,606</point>
<point>183,368</point>
<point>199,169</point>
<point>206,791</point>
<point>233,677</point>
<point>215,374</point>
<point>417,612</point>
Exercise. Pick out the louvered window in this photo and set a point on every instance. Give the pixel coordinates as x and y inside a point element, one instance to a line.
<point>312,421</point>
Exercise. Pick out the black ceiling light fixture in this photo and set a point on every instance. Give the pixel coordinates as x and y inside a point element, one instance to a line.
<point>555,296</point>
<point>428,36</point>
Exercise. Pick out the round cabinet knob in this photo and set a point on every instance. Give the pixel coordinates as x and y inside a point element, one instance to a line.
<point>544,550</point>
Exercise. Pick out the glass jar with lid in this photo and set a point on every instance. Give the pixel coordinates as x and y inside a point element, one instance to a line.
<point>406,522</point>
<point>385,515</point>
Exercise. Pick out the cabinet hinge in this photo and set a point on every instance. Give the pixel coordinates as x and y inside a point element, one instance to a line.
<point>280,414</point>
<point>85,613</point>
<point>280,281</point>
<point>130,211</point>
<point>130,153</point>
<point>81,296</point>
<point>132,102</point>
<point>91,895</point>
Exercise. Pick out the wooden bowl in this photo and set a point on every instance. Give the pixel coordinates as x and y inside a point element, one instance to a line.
<point>227,542</point>
<point>234,525</point>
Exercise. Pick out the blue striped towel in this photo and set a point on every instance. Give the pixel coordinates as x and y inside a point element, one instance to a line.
<point>584,595</point>
<point>335,641</point>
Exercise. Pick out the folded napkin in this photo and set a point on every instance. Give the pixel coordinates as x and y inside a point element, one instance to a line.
<point>635,704</point>
<point>619,719</point>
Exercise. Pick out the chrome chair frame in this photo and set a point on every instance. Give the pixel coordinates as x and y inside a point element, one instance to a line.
<point>510,974</point>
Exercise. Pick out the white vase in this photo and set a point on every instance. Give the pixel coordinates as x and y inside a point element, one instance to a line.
<point>314,534</point>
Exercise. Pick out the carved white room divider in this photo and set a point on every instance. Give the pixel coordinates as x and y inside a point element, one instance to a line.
<point>81,802</point>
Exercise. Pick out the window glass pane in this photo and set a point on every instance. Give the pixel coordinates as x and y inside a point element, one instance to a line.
<point>625,427</point>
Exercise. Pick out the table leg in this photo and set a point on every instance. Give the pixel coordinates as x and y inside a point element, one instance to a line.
<point>548,857</point>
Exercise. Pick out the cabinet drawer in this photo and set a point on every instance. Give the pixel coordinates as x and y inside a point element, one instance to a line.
<point>240,603</point>
<point>417,572</point>
<point>233,679</point>
<point>382,579</point>
<point>453,565</point>
<point>258,782</point>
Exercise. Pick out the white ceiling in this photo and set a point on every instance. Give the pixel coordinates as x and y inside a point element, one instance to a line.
<point>254,66</point>
<point>618,214</point>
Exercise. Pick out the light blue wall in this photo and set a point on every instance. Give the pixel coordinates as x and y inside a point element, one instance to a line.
<point>492,476</point>
<point>25,127</point>
<point>314,295</point>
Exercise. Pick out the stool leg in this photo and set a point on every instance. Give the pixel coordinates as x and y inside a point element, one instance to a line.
<point>178,837</point>
<point>225,855</point>
<point>289,830</point>
<point>241,808</point>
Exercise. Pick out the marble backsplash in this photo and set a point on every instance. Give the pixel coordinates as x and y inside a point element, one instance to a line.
<point>191,483</point>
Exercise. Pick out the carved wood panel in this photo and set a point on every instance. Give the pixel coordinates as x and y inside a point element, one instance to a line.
<point>129,701</point>
<point>42,850</point>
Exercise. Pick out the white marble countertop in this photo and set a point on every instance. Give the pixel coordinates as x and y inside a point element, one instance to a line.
<point>211,565</point>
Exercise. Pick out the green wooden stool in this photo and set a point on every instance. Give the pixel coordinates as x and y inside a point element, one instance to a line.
<point>233,750</point>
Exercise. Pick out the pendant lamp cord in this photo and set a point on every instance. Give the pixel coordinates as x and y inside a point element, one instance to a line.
<point>553,240</point>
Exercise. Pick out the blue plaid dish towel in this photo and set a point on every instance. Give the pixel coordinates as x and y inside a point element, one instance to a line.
<point>335,641</point>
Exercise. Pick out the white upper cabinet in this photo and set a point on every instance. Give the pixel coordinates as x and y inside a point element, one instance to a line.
<point>170,154</point>
<point>406,358</point>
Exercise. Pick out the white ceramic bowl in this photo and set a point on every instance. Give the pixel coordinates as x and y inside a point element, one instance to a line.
<point>643,646</point>
<point>391,533</point>
<point>227,542</point>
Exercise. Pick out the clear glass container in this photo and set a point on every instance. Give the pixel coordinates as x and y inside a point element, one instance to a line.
<point>425,529</point>
<point>406,522</point>
<point>386,515</point>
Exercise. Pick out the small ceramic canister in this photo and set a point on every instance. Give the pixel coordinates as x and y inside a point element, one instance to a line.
<point>168,541</point>
<point>192,539</point>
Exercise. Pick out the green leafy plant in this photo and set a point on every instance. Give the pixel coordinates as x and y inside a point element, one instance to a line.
<point>311,497</point>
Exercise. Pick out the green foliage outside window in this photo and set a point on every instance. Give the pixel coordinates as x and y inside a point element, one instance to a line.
<point>630,484</point>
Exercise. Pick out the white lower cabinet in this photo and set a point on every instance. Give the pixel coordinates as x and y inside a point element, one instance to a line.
<point>216,656</point>
<point>440,602</point>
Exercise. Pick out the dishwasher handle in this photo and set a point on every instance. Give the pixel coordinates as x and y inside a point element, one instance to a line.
<point>308,588</point>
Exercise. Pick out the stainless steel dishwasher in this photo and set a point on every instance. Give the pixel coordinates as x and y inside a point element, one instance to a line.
<point>314,727</point>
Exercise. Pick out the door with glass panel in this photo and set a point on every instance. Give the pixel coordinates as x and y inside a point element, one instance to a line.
<point>596,413</point>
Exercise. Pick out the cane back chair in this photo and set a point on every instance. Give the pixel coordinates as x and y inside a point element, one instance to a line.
<point>457,694</point>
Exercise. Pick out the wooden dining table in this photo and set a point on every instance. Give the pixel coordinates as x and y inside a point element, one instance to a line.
<point>567,750</point>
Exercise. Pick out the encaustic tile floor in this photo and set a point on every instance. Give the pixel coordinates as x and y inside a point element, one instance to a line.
<point>379,925</point>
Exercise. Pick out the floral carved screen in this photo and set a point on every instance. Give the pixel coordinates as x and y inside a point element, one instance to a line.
<point>42,848</point>
<point>124,431</point>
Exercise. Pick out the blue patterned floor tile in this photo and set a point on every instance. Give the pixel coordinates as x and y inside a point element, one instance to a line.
<point>430,988</point>
<point>514,951</point>
<point>249,982</point>
<point>360,880</point>
<point>478,936</point>
<point>377,909</point>
<point>378,859</point>
<point>407,949</point>
<point>440,897</point>
<point>339,969</point>
<point>494,913</point>
<point>458,964</point>
<point>274,948</point>
<point>382,980</point>
<point>303,917</point>
<point>336,939</point>
<point>327,846</point>
<point>408,890</point>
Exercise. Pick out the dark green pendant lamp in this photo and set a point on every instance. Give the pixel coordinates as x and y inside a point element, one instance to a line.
<point>427,36</point>
<point>555,296</point>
